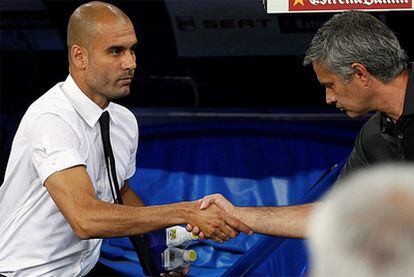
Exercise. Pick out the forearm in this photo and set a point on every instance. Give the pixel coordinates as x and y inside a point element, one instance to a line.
<point>286,221</point>
<point>101,219</point>
<point>74,195</point>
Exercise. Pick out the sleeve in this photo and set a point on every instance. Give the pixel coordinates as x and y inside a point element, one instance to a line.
<point>53,145</point>
<point>133,153</point>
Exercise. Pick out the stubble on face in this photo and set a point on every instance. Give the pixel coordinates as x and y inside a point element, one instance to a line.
<point>107,75</point>
<point>94,29</point>
<point>347,95</point>
<point>109,87</point>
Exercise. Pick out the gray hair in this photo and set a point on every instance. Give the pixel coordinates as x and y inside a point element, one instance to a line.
<point>356,36</point>
<point>365,226</point>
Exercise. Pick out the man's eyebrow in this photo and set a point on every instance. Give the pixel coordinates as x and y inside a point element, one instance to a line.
<point>115,47</point>
<point>326,83</point>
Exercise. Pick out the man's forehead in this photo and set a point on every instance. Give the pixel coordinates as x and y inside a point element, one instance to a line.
<point>323,73</point>
<point>319,67</point>
<point>116,32</point>
<point>113,23</point>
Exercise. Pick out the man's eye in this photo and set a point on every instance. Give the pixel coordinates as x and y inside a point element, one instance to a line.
<point>115,52</point>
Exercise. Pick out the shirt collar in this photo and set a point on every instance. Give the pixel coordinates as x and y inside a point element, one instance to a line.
<point>409,94</point>
<point>88,110</point>
<point>408,108</point>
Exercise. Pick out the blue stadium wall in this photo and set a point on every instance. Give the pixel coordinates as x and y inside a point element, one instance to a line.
<point>252,163</point>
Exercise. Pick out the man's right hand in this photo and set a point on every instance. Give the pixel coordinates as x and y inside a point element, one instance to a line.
<point>216,224</point>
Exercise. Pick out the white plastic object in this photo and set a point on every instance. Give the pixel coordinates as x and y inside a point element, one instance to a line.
<point>178,236</point>
<point>177,259</point>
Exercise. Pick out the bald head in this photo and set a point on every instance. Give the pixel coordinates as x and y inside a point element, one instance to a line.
<point>88,19</point>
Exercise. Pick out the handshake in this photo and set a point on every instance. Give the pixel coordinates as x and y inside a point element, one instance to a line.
<point>216,218</point>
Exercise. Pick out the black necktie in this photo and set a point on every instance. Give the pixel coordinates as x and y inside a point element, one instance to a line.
<point>138,242</point>
<point>109,157</point>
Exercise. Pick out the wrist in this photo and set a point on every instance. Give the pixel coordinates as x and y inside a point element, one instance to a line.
<point>187,211</point>
<point>242,214</point>
<point>236,212</point>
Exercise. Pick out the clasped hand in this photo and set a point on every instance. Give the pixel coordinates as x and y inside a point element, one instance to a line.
<point>214,220</point>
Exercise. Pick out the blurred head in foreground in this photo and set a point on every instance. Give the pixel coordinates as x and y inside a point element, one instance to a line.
<point>365,226</point>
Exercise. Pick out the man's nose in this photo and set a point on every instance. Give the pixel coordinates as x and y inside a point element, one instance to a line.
<point>330,97</point>
<point>129,61</point>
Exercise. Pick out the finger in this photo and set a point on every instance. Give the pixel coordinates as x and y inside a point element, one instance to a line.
<point>238,225</point>
<point>206,202</point>
<point>210,199</point>
<point>217,199</point>
<point>189,227</point>
<point>221,235</point>
<point>230,232</point>
<point>201,236</point>
<point>225,232</point>
<point>186,270</point>
<point>196,230</point>
<point>173,273</point>
<point>216,239</point>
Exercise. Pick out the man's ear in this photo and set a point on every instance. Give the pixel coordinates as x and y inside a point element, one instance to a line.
<point>361,73</point>
<point>79,56</point>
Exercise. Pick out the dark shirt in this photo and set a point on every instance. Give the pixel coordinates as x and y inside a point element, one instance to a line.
<point>381,140</point>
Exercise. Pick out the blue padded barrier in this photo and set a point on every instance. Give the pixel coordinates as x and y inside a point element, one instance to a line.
<point>270,253</point>
<point>251,163</point>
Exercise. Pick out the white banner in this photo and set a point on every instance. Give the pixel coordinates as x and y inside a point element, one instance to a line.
<point>298,6</point>
<point>235,28</point>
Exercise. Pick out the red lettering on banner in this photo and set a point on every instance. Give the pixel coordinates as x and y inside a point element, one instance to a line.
<point>335,5</point>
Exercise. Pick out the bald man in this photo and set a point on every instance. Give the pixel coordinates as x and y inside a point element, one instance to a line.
<point>57,201</point>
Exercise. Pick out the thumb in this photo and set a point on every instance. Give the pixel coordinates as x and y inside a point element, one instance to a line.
<point>205,204</point>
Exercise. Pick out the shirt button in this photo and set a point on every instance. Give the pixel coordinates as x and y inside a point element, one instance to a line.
<point>400,136</point>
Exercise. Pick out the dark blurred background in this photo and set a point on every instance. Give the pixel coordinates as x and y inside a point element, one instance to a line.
<point>193,56</point>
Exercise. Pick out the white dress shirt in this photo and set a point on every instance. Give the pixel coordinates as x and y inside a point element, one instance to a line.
<point>58,131</point>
